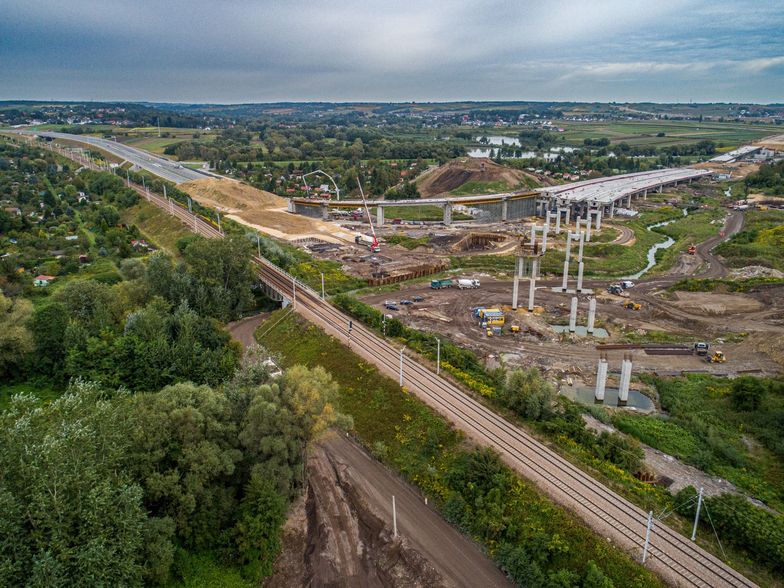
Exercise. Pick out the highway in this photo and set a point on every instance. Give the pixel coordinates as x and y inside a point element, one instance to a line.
<point>671,555</point>
<point>160,166</point>
<point>614,188</point>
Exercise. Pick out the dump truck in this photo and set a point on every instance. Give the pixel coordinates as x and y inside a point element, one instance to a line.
<point>438,284</point>
<point>464,283</point>
<point>492,319</point>
<point>629,305</point>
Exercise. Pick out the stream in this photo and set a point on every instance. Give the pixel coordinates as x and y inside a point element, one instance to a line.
<point>656,247</point>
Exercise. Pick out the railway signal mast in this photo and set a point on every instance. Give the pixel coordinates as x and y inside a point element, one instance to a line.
<point>371,243</point>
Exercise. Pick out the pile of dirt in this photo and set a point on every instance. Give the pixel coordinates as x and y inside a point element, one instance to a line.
<point>770,344</point>
<point>457,172</point>
<point>335,538</point>
<point>260,210</point>
<point>755,271</point>
<point>710,303</point>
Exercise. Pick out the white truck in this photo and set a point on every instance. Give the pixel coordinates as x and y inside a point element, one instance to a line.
<point>464,283</point>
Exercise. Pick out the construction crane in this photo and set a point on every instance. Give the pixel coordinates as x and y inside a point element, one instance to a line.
<point>371,243</point>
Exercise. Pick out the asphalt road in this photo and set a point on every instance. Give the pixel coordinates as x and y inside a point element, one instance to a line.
<point>160,166</point>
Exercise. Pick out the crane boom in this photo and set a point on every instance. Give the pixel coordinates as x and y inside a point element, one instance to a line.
<point>374,247</point>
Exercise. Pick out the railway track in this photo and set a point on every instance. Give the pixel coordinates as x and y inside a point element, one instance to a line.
<point>671,555</point>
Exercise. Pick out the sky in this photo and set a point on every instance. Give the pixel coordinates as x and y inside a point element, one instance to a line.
<point>230,51</point>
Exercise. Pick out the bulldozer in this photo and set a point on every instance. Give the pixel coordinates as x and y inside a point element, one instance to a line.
<point>629,305</point>
<point>716,357</point>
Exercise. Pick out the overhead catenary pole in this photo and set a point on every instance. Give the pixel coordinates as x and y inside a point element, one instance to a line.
<point>258,243</point>
<point>322,284</point>
<point>438,356</point>
<point>647,537</point>
<point>401,367</point>
<point>697,516</point>
<point>394,517</point>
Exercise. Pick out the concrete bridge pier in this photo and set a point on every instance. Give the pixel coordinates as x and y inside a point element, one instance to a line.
<point>601,380</point>
<point>626,378</point>
<point>573,315</point>
<point>659,189</point>
<point>379,216</point>
<point>325,211</point>
<point>532,284</point>
<point>504,209</point>
<point>566,262</point>
<point>448,213</point>
<point>291,207</point>
<point>591,316</point>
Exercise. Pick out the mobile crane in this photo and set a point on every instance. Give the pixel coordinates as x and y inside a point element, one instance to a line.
<point>370,242</point>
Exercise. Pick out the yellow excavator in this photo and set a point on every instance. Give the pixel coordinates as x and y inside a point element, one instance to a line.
<point>716,357</point>
<point>629,305</point>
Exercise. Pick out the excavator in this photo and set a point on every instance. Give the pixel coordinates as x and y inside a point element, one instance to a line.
<point>629,305</point>
<point>692,250</point>
<point>716,357</point>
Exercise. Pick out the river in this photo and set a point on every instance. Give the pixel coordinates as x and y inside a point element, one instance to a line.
<point>666,244</point>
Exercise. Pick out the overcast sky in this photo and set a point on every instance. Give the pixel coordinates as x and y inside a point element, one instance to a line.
<point>384,50</point>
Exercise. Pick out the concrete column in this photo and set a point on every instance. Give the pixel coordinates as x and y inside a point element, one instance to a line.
<point>601,380</point>
<point>516,282</point>
<point>592,316</point>
<point>504,209</point>
<point>573,315</point>
<point>661,186</point>
<point>645,194</point>
<point>566,261</point>
<point>325,212</point>
<point>545,230</point>
<point>580,267</point>
<point>291,207</point>
<point>548,217</point>
<point>568,210</point>
<point>558,223</point>
<point>532,284</point>
<point>612,209</point>
<point>629,201</point>
<point>599,219</point>
<point>448,213</point>
<point>626,378</point>
<point>380,216</point>
<point>533,237</point>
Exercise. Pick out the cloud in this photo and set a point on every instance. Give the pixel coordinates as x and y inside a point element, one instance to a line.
<point>245,50</point>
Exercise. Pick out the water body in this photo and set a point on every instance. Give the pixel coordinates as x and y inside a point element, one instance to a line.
<point>656,247</point>
<point>485,152</point>
<point>499,140</point>
<point>584,395</point>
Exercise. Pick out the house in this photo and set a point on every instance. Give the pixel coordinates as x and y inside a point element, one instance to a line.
<point>13,210</point>
<point>139,244</point>
<point>71,237</point>
<point>42,281</point>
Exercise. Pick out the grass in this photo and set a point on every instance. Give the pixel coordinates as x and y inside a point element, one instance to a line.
<point>706,431</point>
<point>202,570</point>
<point>161,228</point>
<point>406,241</point>
<point>759,243</point>
<point>421,212</point>
<point>707,285</point>
<point>423,447</point>
<point>44,393</point>
<point>477,187</point>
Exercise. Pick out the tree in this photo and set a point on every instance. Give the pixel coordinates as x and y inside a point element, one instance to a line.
<point>48,327</point>
<point>71,514</point>
<point>16,341</point>
<point>747,393</point>
<point>528,394</point>
<point>595,578</point>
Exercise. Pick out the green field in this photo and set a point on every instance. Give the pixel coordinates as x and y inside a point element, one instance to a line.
<point>675,133</point>
<point>761,241</point>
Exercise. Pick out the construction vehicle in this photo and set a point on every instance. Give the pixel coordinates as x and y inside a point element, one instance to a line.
<point>615,289</point>
<point>515,329</point>
<point>438,284</point>
<point>417,298</point>
<point>626,284</point>
<point>463,283</point>
<point>629,305</point>
<point>692,250</point>
<point>701,348</point>
<point>371,242</point>
<point>716,357</point>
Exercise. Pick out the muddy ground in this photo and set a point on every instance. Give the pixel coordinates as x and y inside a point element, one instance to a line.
<point>735,323</point>
<point>341,534</point>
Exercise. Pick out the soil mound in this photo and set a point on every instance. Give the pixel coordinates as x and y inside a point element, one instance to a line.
<point>260,210</point>
<point>455,173</point>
